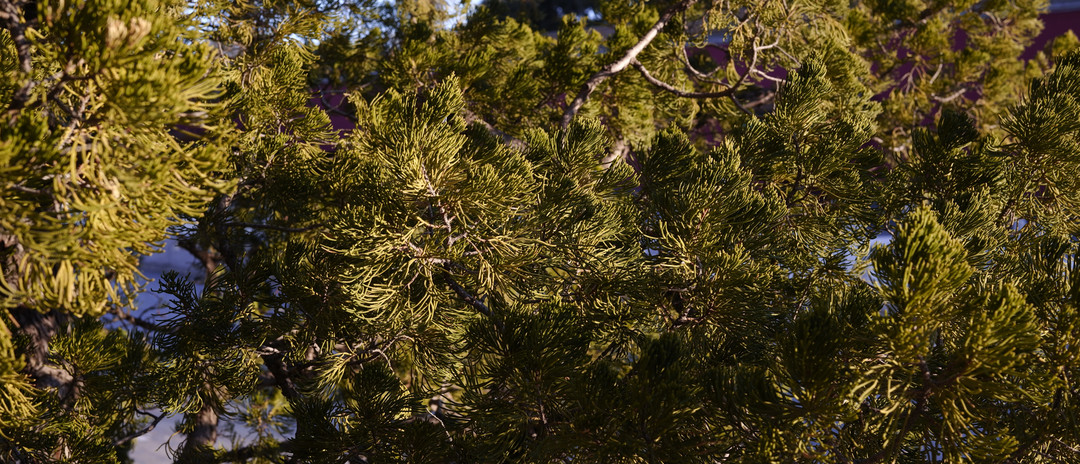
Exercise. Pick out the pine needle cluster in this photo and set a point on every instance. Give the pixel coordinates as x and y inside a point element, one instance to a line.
<point>847,233</point>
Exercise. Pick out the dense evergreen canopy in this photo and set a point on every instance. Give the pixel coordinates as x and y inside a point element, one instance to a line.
<point>647,231</point>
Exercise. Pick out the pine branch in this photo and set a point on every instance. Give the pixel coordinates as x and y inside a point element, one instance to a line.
<point>10,12</point>
<point>922,396</point>
<point>619,65</point>
<point>909,421</point>
<point>473,301</point>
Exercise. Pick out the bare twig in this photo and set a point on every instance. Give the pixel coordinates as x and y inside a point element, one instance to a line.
<point>937,73</point>
<point>420,255</point>
<point>950,97</point>
<point>1066,445</point>
<point>768,77</point>
<point>143,431</point>
<point>376,349</point>
<point>25,189</point>
<point>694,72</point>
<point>765,97</point>
<point>137,321</point>
<point>619,65</point>
<point>670,88</point>
<point>731,88</point>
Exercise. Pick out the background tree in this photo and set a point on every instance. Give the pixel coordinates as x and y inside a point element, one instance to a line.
<point>914,57</point>
<point>473,274</point>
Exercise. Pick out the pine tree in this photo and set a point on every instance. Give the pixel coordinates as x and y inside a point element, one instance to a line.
<point>111,132</point>
<point>538,248</point>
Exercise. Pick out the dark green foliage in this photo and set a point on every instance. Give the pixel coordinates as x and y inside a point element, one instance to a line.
<point>462,277</point>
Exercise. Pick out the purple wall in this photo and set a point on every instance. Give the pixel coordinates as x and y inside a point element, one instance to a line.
<point>1055,23</point>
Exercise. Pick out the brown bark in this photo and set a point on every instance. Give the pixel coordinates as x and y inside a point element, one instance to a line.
<point>39,329</point>
<point>205,432</point>
<point>200,442</point>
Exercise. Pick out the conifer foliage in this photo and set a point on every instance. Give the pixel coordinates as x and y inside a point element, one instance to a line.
<point>848,233</point>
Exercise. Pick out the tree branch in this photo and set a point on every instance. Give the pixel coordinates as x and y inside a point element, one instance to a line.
<point>731,88</point>
<point>137,321</point>
<point>39,330</point>
<point>28,190</point>
<point>693,72</point>
<point>142,431</point>
<point>473,301</point>
<point>508,139</point>
<point>950,97</point>
<point>619,65</point>
<point>255,225</point>
<point>765,97</point>
<point>670,88</point>
<point>281,376</point>
<point>1066,445</point>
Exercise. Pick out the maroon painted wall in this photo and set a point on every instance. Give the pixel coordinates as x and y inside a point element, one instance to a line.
<point>1054,24</point>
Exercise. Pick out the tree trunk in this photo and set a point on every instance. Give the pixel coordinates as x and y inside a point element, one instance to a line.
<point>200,442</point>
<point>40,329</point>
